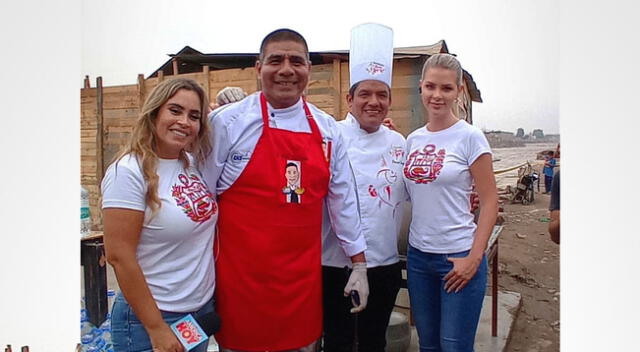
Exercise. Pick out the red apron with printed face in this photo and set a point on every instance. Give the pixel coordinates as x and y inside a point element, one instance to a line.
<point>268,269</point>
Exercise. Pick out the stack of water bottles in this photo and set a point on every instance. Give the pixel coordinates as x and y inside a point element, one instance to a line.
<point>96,339</point>
<point>85,213</point>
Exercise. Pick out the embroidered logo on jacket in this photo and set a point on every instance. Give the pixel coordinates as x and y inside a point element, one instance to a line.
<point>424,166</point>
<point>389,177</point>
<point>194,198</point>
<point>397,154</point>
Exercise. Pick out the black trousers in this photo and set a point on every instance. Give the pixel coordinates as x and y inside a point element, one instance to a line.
<point>339,323</point>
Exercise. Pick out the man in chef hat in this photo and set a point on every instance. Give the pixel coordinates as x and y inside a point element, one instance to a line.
<point>377,156</point>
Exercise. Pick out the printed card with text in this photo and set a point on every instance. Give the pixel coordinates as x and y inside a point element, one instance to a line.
<point>189,332</point>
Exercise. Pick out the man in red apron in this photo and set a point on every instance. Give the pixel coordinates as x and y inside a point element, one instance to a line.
<point>269,283</point>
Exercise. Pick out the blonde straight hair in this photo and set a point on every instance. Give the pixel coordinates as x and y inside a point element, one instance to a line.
<point>446,61</point>
<point>142,143</point>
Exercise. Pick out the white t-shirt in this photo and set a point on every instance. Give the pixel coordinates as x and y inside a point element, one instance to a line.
<point>377,159</point>
<point>236,129</point>
<point>175,250</point>
<point>439,183</point>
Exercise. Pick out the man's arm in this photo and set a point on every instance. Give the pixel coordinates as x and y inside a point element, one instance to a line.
<point>342,207</point>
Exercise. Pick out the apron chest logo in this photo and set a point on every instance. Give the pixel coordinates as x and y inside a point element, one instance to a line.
<point>240,157</point>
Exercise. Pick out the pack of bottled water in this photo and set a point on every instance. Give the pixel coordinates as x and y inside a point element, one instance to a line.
<point>85,214</point>
<point>92,338</point>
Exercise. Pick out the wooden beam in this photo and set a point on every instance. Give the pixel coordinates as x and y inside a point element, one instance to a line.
<point>174,61</point>
<point>205,70</point>
<point>160,76</point>
<point>335,84</point>
<point>141,90</point>
<point>99,132</point>
<point>87,83</point>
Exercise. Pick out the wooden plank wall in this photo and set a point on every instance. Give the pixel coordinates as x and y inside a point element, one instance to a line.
<point>117,108</point>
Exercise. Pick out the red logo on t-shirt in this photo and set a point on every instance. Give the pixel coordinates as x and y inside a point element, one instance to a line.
<point>424,166</point>
<point>194,198</point>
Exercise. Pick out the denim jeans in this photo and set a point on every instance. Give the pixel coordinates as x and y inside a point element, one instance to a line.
<point>129,335</point>
<point>444,321</point>
<point>547,183</point>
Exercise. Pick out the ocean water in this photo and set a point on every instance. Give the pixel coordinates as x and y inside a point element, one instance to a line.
<point>512,156</point>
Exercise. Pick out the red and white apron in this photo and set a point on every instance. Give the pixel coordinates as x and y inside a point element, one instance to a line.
<point>268,271</point>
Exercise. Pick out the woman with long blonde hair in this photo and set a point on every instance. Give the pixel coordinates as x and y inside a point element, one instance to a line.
<point>159,219</point>
<point>446,265</point>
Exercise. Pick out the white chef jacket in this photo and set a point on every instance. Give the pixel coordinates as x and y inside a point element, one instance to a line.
<point>236,129</point>
<point>376,159</point>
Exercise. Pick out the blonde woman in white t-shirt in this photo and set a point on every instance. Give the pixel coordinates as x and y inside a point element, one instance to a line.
<point>446,264</point>
<point>159,220</point>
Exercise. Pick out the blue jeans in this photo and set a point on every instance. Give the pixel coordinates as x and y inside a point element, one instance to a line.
<point>129,335</point>
<point>547,183</point>
<point>444,321</point>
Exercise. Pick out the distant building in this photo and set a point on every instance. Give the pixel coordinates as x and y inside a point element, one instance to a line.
<point>502,139</point>
<point>537,133</point>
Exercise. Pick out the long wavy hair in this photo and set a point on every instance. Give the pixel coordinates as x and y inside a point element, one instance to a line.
<point>143,141</point>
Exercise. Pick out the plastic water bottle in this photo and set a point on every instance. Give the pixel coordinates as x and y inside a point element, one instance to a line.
<point>105,327</point>
<point>85,215</point>
<point>98,345</point>
<point>88,331</point>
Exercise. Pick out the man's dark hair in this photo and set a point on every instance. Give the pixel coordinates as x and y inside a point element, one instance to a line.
<point>281,35</point>
<point>291,164</point>
<point>353,88</point>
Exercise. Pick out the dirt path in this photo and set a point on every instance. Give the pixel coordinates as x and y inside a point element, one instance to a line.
<point>530,265</point>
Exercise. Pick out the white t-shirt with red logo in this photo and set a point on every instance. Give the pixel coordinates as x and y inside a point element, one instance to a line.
<point>439,183</point>
<point>175,250</point>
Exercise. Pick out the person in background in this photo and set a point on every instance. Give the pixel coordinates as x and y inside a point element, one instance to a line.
<point>554,208</point>
<point>377,157</point>
<point>547,170</point>
<point>269,292</point>
<point>159,220</point>
<point>446,265</point>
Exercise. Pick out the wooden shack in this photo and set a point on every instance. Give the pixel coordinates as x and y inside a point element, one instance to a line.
<point>108,113</point>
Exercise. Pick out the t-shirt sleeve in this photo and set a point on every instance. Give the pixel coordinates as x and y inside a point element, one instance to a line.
<point>554,203</point>
<point>123,186</point>
<point>477,145</point>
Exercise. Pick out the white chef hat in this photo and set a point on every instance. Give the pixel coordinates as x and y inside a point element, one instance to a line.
<point>371,53</point>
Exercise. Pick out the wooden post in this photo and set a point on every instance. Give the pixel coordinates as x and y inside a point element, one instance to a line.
<point>494,293</point>
<point>205,70</point>
<point>99,132</point>
<point>87,83</point>
<point>175,66</point>
<point>160,76</point>
<point>335,82</point>
<point>92,259</point>
<point>141,90</point>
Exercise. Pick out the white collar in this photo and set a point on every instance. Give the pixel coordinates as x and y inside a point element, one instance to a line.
<point>286,113</point>
<point>353,123</point>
